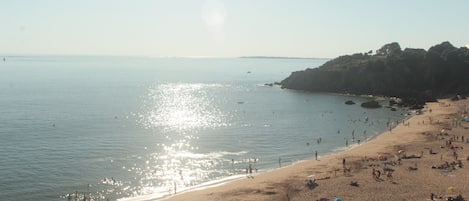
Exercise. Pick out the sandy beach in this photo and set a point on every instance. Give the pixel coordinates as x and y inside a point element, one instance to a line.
<point>423,155</point>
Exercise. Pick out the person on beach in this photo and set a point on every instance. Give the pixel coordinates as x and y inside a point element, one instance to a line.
<point>316,155</point>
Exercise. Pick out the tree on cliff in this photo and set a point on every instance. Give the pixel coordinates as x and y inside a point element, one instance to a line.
<point>389,49</point>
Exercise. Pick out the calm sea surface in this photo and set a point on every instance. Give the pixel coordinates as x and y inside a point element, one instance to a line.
<point>140,128</point>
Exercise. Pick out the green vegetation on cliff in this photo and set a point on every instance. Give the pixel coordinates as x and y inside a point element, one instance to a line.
<point>412,74</point>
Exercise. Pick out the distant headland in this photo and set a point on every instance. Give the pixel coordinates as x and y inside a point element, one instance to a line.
<point>414,75</point>
<point>273,57</point>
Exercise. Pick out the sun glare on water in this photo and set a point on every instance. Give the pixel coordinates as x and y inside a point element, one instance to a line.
<point>179,112</point>
<point>182,107</point>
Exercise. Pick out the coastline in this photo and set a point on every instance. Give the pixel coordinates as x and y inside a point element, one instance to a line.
<point>413,136</point>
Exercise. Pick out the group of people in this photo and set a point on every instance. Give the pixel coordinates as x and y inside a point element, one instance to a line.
<point>434,197</point>
<point>377,174</point>
<point>249,171</point>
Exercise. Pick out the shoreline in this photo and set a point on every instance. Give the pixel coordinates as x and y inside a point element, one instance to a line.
<point>287,183</point>
<point>168,194</point>
<point>233,178</point>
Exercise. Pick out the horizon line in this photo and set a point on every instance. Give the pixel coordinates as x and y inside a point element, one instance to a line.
<point>6,55</point>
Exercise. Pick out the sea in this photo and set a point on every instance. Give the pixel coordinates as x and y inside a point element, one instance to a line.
<point>140,128</point>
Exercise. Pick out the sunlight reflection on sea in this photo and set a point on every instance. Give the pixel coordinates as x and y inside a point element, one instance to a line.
<point>178,111</point>
<point>183,106</point>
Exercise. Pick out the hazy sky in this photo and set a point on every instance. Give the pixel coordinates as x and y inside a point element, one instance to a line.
<point>227,28</point>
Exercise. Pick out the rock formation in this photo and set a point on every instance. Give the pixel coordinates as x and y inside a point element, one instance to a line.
<point>415,75</point>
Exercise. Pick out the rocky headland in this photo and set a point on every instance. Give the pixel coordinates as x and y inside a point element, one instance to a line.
<point>414,75</point>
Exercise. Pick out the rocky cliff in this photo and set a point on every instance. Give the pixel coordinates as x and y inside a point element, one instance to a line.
<point>415,75</point>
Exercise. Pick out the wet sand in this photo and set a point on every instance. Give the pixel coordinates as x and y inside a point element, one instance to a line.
<point>420,142</point>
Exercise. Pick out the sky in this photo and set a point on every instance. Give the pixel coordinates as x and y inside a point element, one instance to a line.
<point>227,28</point>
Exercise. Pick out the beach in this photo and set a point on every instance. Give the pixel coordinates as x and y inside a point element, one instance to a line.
<point>423,157</point>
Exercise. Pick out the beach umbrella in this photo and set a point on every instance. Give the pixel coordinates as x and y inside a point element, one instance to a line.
<point>452,189</point>
<point>338,199</point>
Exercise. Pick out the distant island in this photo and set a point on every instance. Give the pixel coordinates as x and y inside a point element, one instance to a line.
<point>414,75</point>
